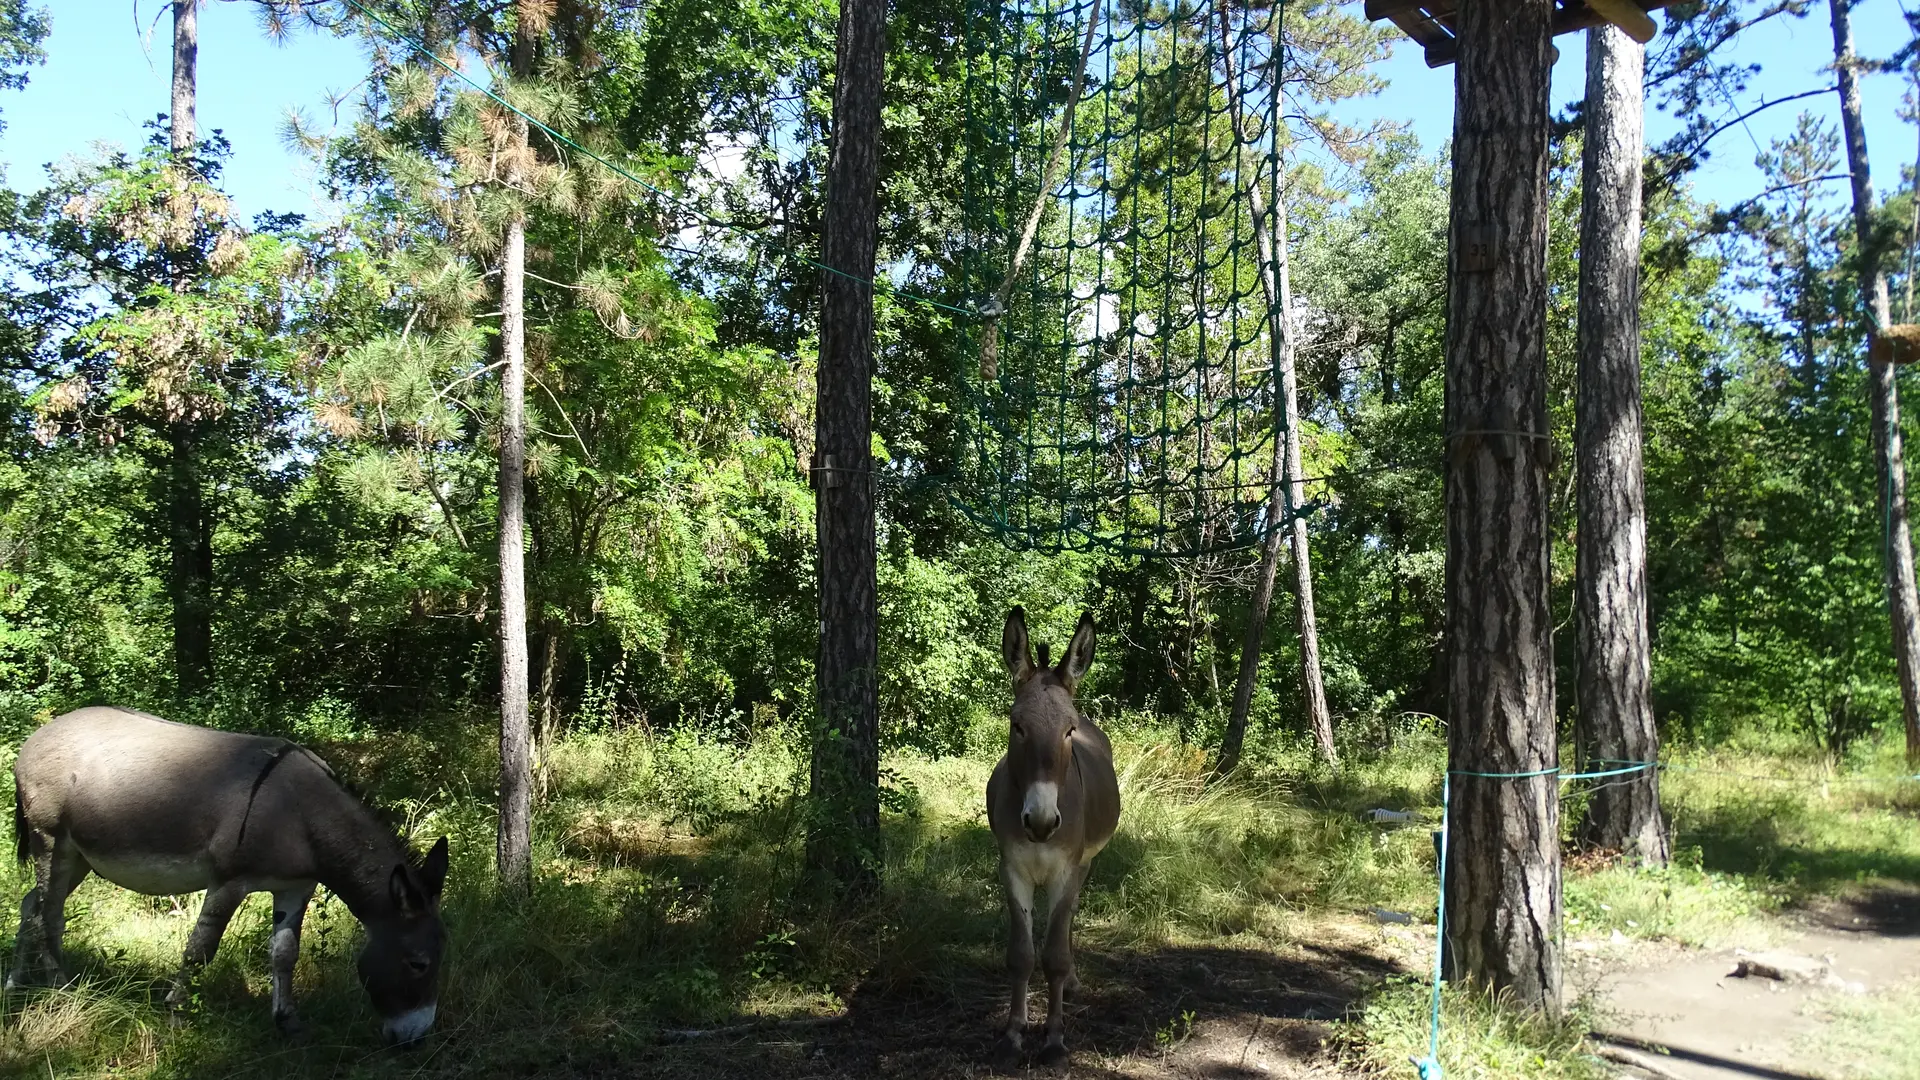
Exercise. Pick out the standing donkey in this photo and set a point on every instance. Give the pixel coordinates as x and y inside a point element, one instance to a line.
<point>1053,803</point>
<point>163,808</point>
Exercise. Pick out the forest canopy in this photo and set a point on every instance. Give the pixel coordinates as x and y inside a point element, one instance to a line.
<point>334,377</point>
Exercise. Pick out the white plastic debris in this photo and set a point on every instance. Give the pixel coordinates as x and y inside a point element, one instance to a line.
<point>1383,915</point>
<point>1379,816</point>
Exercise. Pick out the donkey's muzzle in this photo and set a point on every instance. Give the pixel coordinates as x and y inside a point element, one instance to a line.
<point>410,1027</point>
<point>1039,826</point>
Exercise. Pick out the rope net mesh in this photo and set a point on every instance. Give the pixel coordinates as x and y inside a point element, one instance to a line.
<point>1127,393</point>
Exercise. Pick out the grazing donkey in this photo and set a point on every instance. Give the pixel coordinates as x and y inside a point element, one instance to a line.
<point>1053,803</point>
<point>164,808</point>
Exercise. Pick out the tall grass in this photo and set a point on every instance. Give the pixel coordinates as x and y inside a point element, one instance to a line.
<point>1482,1037</point>
<point>672,893</point>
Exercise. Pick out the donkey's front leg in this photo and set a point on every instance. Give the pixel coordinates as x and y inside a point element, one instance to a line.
<point>289,911</point>
<point>1019,893</point>
<point>1064,894</point>
<point>215,912</point>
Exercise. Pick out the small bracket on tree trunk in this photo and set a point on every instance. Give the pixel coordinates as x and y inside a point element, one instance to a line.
<point>823,473</point>
<point>1476,249</point>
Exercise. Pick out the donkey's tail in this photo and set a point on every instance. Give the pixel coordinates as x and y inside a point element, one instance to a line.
<point>20,849</point>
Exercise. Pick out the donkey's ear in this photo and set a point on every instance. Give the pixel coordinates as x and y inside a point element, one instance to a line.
<point>433,872</point>
<point>1015,649</point>
<point>1079,656</point>
<point>405,893</point>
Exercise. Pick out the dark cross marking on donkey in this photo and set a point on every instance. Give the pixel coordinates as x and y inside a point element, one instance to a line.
<point>1053,802</point>
<point>164,808</point>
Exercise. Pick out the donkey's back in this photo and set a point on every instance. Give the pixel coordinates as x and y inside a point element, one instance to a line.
<point>165,808</point>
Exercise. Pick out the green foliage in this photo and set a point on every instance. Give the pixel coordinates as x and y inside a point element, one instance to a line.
<point>335,381</point>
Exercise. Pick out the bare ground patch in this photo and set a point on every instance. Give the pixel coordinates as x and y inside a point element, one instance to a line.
<point>1190,1012</point>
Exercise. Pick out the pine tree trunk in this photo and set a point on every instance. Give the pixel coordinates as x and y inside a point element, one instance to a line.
<point>1233,740</point>
<point>189,525</point>
<point>547,727</point>
<point>1288,488</point>
<point>1903,604</point>
<point>1503,884</point>
<point>1610,586</point>
<point>186,55</point>
<point>191,566</point>
<point>515,836</point>
<point>1313,690</point>
<point>846,751</point>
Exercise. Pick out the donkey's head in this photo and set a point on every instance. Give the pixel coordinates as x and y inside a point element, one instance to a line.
<point>400,967</point>
<point>1040,741</point>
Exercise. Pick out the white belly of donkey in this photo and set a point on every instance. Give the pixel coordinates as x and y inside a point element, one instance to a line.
<point>154,875</point>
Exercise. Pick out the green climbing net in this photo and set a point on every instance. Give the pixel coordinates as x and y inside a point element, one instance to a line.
<point>1121,169</point>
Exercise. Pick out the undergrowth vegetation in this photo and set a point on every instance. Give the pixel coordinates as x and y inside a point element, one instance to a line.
<point>672,897</point>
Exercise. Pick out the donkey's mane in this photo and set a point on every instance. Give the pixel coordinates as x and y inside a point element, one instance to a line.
<point>390,821</point>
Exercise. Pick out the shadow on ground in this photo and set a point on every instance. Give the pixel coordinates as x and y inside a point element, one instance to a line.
<point>1885,910</point>
<point>1770,838</point>
<point>1167,1012</point>
<point>1646,1057</point>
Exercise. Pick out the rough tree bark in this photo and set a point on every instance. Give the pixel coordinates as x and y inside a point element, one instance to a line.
<point>1288,488</point>
<point>189,523</point>
<point>1903,604</point>
<point>190,569</point>
<point>1610,580</point>
<point>546,725</point>
<point>186,56</point>
<point>846,751</point>
<point>514,839</point>
<point>1503,885</point>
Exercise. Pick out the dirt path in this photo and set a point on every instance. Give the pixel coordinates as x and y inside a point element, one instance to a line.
<point>1218,1013</point>
<point>1681,1013</point>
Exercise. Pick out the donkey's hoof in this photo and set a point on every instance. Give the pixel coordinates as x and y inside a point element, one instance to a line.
<point>1054,1053</point>
<point>1006,1054</point>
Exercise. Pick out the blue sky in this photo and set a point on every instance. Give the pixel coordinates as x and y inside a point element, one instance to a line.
<point>104,77</point>
<point>1791,54</point>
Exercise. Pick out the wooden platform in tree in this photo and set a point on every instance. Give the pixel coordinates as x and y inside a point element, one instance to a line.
<point>1431,22</point>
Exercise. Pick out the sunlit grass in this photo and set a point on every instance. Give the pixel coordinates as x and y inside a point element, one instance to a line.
<point>1754,832</point>
<point>1868,1038</point>
<point>1481,1037</point>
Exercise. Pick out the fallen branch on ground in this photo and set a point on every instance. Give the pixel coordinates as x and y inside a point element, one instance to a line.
<point>1629,1058</point>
